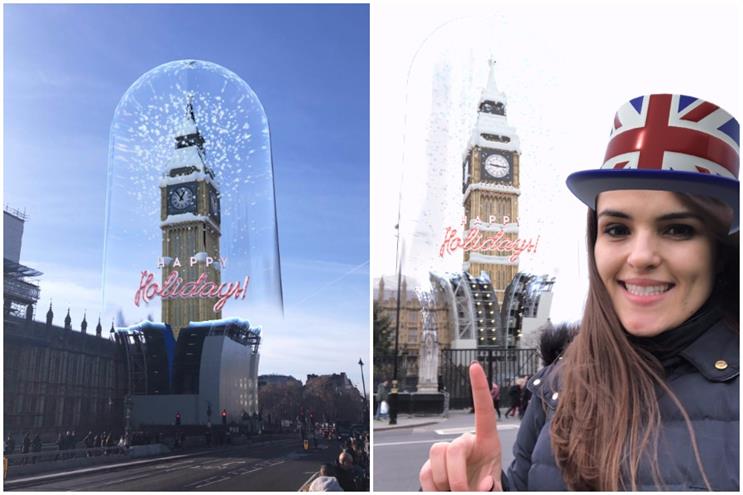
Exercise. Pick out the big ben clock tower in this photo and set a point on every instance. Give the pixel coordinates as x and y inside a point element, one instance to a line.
<point>190,214</point>
<point>491,185</point>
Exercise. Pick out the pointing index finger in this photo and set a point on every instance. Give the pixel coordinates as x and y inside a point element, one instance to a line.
<point>485,424</point>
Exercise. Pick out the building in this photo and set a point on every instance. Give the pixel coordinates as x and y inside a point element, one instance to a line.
<point>55,378</point>
<point>20,288</point>
<point>213,366</point>
<point>190,214</point>
<point>277,380</point>
<point>491,186</point>
<point>412,322</point>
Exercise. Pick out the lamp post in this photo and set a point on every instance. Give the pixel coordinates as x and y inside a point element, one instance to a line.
<point>393,392</point>
<point>363,385</point>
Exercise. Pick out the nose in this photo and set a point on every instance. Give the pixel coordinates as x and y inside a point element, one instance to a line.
<point>644,251</point>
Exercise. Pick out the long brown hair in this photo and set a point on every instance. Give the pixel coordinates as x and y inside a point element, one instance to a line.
<point>607,419</point>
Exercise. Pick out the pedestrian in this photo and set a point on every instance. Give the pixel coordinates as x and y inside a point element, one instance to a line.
<point>26,448</point>
<point>123,444</point>
<point>383,407</point>
<point>514,394</point>
<point>60,445</point>
<point>646,396</point>
<point>9,444</point>
<point>495,394</point>
<point>349,476</point>
<point>35,447</point>
<point>326,481</point>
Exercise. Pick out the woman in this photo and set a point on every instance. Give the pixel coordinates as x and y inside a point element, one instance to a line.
<point>646,397</point>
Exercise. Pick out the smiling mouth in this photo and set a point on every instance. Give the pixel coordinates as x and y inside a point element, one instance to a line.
<point>646,290</point>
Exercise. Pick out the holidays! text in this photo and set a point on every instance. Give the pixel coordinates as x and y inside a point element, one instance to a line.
<point>174,288</point>
<point>475,241</point>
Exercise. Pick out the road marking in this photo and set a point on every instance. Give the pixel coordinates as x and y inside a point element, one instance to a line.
<point>223,478</point>
<point>448,431</point>
<point>404,443</point>
<point>471,429</point>
<point>242,473</point>
<point>199,481</point>
<point>178,465</point>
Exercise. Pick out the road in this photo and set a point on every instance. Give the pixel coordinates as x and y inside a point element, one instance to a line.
<point>400,453</point>
<point>277,465</point>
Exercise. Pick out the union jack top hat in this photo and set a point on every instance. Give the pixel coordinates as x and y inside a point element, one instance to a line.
<point>672,143</point>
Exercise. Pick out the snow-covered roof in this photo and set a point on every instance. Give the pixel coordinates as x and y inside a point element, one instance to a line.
<point>239,322</point>
<point>144,324</point>
<point>192,177</point>
<point>188,217</point>
<point>508,228</point>
<point>186,157</point>
<point>488,123</point>
<point>482,186</point>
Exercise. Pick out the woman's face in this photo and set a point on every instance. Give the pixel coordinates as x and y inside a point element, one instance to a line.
<point>655,258</point>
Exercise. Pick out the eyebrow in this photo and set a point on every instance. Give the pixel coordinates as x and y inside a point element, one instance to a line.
<point>681,215</point>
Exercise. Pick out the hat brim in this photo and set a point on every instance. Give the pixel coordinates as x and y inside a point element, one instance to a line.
<point>587,184</point>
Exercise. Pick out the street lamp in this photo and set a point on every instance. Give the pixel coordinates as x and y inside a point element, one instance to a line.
<point>363,385</point>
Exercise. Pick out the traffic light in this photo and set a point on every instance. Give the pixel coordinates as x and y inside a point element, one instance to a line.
<point>178,418</point>
<point>224,417</point>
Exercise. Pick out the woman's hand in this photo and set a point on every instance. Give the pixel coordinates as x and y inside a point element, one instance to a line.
<point>471,462</point>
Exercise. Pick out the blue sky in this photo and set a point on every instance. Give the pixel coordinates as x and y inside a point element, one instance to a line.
<point>67,66</point>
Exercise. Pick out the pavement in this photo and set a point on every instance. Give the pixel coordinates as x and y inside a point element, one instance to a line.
<point>400,451</point>
<point>407,421</point>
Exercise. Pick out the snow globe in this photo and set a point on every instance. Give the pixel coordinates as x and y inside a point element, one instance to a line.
<point>191,263</point>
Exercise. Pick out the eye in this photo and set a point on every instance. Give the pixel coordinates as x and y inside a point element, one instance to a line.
<point>616,230</point>
<point>680,231</point>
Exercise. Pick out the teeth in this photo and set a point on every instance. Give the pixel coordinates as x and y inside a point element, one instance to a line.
<point>647,290</point>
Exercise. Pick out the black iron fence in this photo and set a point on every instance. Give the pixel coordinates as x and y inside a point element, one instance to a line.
<point>501,365</point>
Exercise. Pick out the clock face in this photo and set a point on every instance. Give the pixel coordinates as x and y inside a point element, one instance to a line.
<point>497,166</point>
<point>181,198</point>
<point>213,203</point>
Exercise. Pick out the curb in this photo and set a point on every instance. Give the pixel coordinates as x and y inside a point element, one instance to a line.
<point>400,427</point>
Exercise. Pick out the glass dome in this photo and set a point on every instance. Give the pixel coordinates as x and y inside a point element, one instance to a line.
<point>190,231</point>
<point>462,69</point>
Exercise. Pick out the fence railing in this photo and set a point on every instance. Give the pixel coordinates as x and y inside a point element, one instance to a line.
<point>502,366</point>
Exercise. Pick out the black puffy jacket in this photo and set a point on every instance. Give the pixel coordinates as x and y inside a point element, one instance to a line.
<point>706,382</point>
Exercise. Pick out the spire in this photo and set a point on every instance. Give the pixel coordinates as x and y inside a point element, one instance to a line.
<point>491,128</point>
<point>84,324</point>
<point>49,314</point>
<point>68,321</point>
<point>98,328</point>
<point>113,330</point>
<point>492,100</point>
<point>189,145</point>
